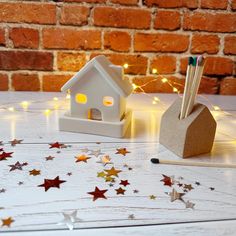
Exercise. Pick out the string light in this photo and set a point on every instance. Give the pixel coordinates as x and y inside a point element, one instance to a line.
<point>164,80</point>
<point>154,71</point>
<point>134,86</point>
<point>67,96</point>
<point>154,102</point>
<point>47,112</point>
<point>156,99</point>
<point>24,104</point>
<point>11,109</point>
<point>175,90</point>
<point>126,65</point>
<point>216,108</point>
<point>55,98</point>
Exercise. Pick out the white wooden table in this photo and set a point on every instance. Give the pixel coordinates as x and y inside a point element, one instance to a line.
<point>36,212</point>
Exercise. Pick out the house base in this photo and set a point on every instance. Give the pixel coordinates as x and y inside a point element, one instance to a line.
<point>111,129</point>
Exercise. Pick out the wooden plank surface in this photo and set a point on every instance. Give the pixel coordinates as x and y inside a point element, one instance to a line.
<point>34,209</point>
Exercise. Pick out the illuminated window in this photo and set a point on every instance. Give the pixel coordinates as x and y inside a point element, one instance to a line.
<point>108,101</point>
<point>81,98</point>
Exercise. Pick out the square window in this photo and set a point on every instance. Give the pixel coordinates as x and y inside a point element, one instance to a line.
<point>81,98</point>
<point>108,101</point>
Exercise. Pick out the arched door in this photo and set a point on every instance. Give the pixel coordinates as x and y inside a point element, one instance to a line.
<point>95,114</point>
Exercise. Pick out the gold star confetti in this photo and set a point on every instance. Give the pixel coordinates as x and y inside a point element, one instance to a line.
<point>109,179</point>
<point>174,195</point>
<point>101,174</point>
<point>152,197</point>
<point>7,222</point>
<point>113,172</point>
<point>188,187</point>
<point>122,151</point>
<point>82,158</point>
<point>34,172</point>
<point>105,160</point>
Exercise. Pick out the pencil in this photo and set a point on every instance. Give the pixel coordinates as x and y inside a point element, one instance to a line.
<point>192,163</point>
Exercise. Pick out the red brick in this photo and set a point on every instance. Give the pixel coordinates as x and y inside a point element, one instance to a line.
<point>122,17</point>
<point>117,41</point>
<point>2,37</point>
<point>212,22</point>
<point>71,39</point>
<point>42,13</point>
<point>74,15</point>
<point>28,60</point>
<point>3,82</point>
<point>163,64</point>
<point>169,20</point>
<point>233,5</point>
<point>153,84</point>
<point>70,61</point>
<point>208,86</point>
<point>88,1</point>
<point>137,63</point>
<point>125,2</point>
<point>53,83</point>
<point>24,37</point>
<point>205,43</point>
<point>230,45</point>
<point>25,82</point>
<point>228,86</point>
<point>172,3</point>
<point>214,4</point>
<point>213,66</point>
<point>160,42</point>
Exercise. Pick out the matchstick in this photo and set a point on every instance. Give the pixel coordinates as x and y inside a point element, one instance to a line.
<point>188,82</point>
<point>195,85</point>
<point>192,163</point>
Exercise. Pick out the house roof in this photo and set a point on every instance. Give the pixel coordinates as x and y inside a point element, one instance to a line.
<point>108,71</point>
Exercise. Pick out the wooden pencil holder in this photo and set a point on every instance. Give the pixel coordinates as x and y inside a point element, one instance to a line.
<point>191,136</point>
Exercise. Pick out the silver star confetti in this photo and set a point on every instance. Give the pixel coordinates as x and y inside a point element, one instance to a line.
<point>189,204</point>
<point>174,195</point>
<point>96,153</point>
<point>105,160</point>
<point>69,219</point>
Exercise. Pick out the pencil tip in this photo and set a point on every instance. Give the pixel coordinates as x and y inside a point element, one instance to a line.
<point>200,60</point>
<point>155,161</point>
<point>194,61</point>
<point>190,60</point>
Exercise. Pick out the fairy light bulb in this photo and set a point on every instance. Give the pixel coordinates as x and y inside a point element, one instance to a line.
<point>164,80</point>
<point>154,71</point>
<point>67,96</point>
<point>156,99</point>
<point>24,104</point>
<point>175,90</point>
<point>11,109</point>
<point>47,112</point>
<point>126,65</point>
<point>134,86</point>
<point>55,98</point>
<point>216,108</point>
<point>154,102</point>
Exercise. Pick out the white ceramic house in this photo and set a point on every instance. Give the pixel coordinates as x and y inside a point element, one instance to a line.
<point>98,100</point>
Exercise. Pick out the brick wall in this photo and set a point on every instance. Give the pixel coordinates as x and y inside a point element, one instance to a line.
<point>43,43</point>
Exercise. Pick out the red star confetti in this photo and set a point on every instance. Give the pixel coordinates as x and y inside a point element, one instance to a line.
<point>5,155</point>
<point>82,158</point>
<point>15,141</point>
<point>124,182</point>
<point>7,222</point>
<point>97,193</point>
<point>56,145</point>
<point>120,191</point>
<point>34,172</point>
<point>113,172</point>
<point>17,166</point>
<point>167,180</point>
<point>51,183</point>
<point>122,151</point>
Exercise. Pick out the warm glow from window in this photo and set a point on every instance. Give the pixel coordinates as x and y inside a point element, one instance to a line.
<point>81,98</point>
<point>108,101</point>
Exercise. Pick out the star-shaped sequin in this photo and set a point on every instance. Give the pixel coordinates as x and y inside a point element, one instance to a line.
<point>167,180</point>
<point>188,187</point>
<point>82,158</point>
<point>96,153</point>
<point>3,190</point>
<point>131,217</point>
<point>97,193</point>
<point>101,174</point>
<point>212,189</point>
<point>34,172</point>
<point>109,179</point>
<point>20,183</point>
<point>174,195</point>
<point>69,173</point>
<point>15,141</point>
<point>51,183</point>
<point>189,204</point>
<point>7,222</point>
<point>56,145</point>
<point>105,160</point>
<point>197,183</point>
<point>122,151</point>
<point>124,182</point>
<point>69,219</point>
<point>17,166</point>
<point>49,158</point>
<point>135,191</point>
<point>5,155</point>
<point>120,191</point>
<point>85,150</point>
<point>152,197</point>
<point>112,172</point>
